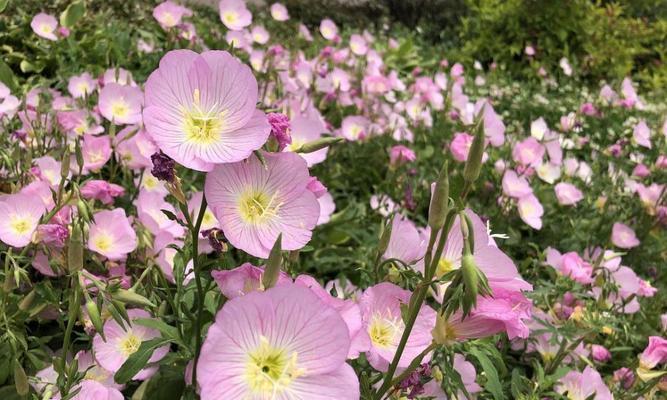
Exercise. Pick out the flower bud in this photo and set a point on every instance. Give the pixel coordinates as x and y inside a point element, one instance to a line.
<point>65,165</point>
<point>439,206</point>
<point>95,317</point>
<point>474,162</point>
<point>272,269</point>
<point>385,236</point>
<point>470,274</point>
<point>20,379</point>
<point>319,144</point>
<point>25,304</point>
<point>82,208</point>
<point>75,250</point>
<point>133,298</point>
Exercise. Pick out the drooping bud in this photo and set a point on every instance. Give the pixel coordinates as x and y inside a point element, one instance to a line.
<point>474,162</point>
<point>132,298</point>
<point>83,211</point>
<point>319,144</point>
<point>95,317</point>
<point>273,264</point>
<point>439,206</point>
<point>75,250</point>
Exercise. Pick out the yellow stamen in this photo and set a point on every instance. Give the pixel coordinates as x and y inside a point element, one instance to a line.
<point>20,224</point>
<point>129,344</point>
<point>270,370</point>
<point>383,330</point>
<point>256,206</point>
<point>202,126</point>
<point>103,241</point>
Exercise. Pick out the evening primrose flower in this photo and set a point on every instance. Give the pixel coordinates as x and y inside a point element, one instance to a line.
<point>169,14</point>
<point>531,211</point>
<point>279,12</point>
<point>255,204</point>
<point>307,128</point>
<point>568,194</point>
<point>328,29</point>
<point>584,385</point>
<point>45,25</point>
<point>200,109</point>
<point>111,235</point>
<point>81,85</point>
<point>355,127</point>
<point>623,236</point>
<point>20,216</point>
<point>122,342</point>
<point>381,317</point>
<point>121,104</point>
<point>234,14</point>
<point>282,343</point>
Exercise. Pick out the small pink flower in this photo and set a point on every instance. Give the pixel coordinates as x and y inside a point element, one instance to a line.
<point>529,50</point>
<point>358,45</point>
<point>568,194</point>
<point>641,171</point>
<point>121,342</point>
<point>600,353</point>
<point>281,343</point>
<point>52,234</point>
<point>328,29</point>
<point>531,211</point>
<point>654,354</point>
<point>260,34</point>
<point>355,128</point>
<point>20,216</point>
<point>280,129</point>
<point>45,25</point>
<point>279,12</point>
<point>623,236</point>
<point>81,85</point>
<point>111,235</point>
<point>400,154</point>
<point>381,315</point>
<point>583,385</point>
<point>642,134</point>
<point>515,186</point>
<point>96,152</point>
<point>243,280</point>
<point>308,128</point>
<point>460,146</point>
<point>571,265</point>
<point>169,14</point>
<point>234,14</point>
<point>528,152</point>
<point>121,104</point>
<point>101,190</point>
<point>255,204</point>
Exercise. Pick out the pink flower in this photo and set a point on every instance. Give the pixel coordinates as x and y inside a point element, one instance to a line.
<point>355,127</point>
<point>460,146</point>
<point>255,204</point>
<point>280,129</point>
<point>515,186</point>
<point>101,190</point>
<point>49,170</point>
<point>234,14</point>
<point>20,216</point>
<point>654,354</point>
<point>531,211</point>
<point>583,385</point>
<point>528,152</point>
<point>600,353</point>
<point>529,50</point>
<point>641,171</point>
<point>327,208</point>
<point>568,194</point>
<point>169,14</point>
<point>134,148</point>
<point>328,29</point>
<point>117,75</point>
<point>308,129</point>
<point>381,315</point>
<point>121,342</point>
<point>406,242</point>
<point>259,35</point>
<point>400,154</point>
<point>642,134</point>
<point>279,12</point>
<point>571,265</point>
<point>243,280</point>
<point>52,234</point>
<point>200,109</point>
<point>623,236</point>
<point>284,342</point>
<point>121,104</point>
<point>96,152</point>
<point>81,85</point>
<point>358,45</point>
<point>45,25</point>
<point>111,235</point>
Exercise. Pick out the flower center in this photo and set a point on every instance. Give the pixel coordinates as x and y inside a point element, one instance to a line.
<point>103,241</point>
<point>20,224</point>
<point>119,109</point>
<point>202,126</point>
<point>384,329</point>
<point>270,369</point>
<point>83,87</point>
<point>256,206</point>
<point>169,19</point>
<point>444,265</point>
<point>230,17</point>
<point>46,28</point>
<point>129,344</point>
<point>208,219</point>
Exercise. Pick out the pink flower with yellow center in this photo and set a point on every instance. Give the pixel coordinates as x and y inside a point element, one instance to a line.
<point>20,216</point>
<point>201,109</point>
<point>111,235</point>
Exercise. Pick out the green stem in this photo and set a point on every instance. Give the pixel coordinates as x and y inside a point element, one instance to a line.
<point>74,307</point>
<point>200,291</point>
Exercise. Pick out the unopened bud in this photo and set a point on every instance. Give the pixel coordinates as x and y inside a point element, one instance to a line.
<point>272,269</point>
<point>75,250</point>
<point>95,317</point>
<point>79,154</point>
<point>65,164</point>
<point>83,211</point>
<point>20,379</point>
<point>318,144</point>
<point>474,162</point>
<point>470,274</point>
<point>27,301</point>
<point>385,236</point>
<point>439,207</point>
<point>133,298</point>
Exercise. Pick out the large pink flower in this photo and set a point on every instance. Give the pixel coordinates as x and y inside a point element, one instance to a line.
<point>200,109</point>
<point>255,204</point>
<point>381,316</point>
<point>283,343</point>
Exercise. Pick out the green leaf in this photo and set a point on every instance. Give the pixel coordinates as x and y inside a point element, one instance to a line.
<point>492,381</point>
<point>72,14</point>
<point>167,331</point>
<point>3,5</point>
<point>6,75</point>
<point>167,384</point>
<point>137,360</point>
